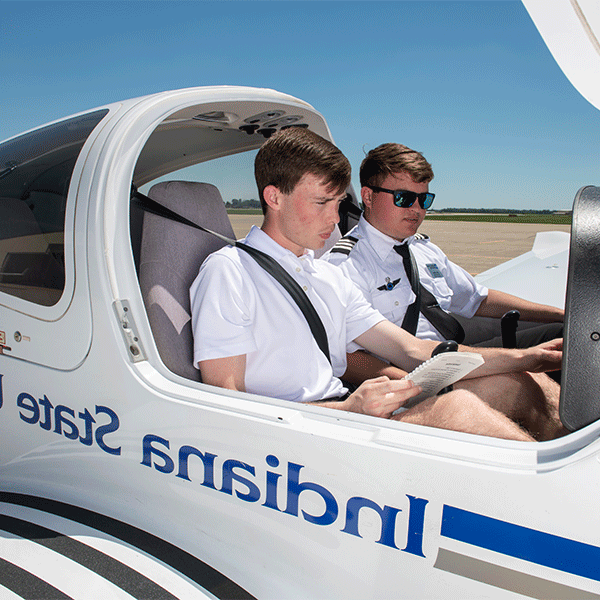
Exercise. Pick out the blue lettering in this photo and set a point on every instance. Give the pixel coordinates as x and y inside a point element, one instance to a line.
<point>89,420</point>
<point>47,422</point>
<point>32,412</point>
<point>295,489</point>
<point>149,450</point>
<point>229,475</point>
<point>387,514</point>
<point>272,479</point>
<point>155,455</point>
<point>59,420</point>
<point>208,460</point>
<point>106,429</point>
<point>416,520</point>
<point>28,403</point>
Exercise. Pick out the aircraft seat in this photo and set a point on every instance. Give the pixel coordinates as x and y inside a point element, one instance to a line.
<point>17,219</point>
<point>170,256</point>
<point>479,329</point>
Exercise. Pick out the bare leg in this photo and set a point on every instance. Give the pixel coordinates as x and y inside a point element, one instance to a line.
<point>530,399</point>
<point>461,410</point>
<point>551,393</point>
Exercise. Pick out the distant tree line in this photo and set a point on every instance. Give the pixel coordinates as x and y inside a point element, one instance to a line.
<point>545,211</point>
<point>238,203</point>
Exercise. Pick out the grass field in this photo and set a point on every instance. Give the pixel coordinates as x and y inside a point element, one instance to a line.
<point>539,219</point>
<point>475,247</point>
<point>244,211</point>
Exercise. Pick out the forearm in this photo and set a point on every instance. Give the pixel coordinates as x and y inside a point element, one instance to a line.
<point>545,357</point>
<point>363,366</point>
<point>408,356</point>
<point>497,303</point>
<point>407,352</point>
<point>396,345</point>
<point>497,360</point>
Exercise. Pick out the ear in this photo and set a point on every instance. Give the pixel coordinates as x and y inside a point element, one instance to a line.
<point>272,197</point>
<point>366,195</point>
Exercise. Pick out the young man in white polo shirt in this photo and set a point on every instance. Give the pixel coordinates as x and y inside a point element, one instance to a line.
<point>250,335</point>
<point>379,254</point>
<point>395,193</point>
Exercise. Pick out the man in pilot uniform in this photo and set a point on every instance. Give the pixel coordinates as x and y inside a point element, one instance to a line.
<point>392,263</point>
<point>250,336</point>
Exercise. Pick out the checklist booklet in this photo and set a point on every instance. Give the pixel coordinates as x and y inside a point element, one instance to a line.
<point>440,371</point>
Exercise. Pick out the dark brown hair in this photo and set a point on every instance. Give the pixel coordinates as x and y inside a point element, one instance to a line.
<point>389,159</point>
<point>291,153</point>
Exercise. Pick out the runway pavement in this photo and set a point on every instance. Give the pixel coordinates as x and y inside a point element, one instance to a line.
<point>474,246</point>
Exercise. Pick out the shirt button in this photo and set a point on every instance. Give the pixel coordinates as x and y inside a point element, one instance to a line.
<point>305,288</point>
<point>396,303</point>
<point>298,269</point>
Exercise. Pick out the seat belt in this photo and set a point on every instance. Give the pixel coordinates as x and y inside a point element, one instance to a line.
<point>426,303</point>
<point>411,317</point>
<point>267,262</point>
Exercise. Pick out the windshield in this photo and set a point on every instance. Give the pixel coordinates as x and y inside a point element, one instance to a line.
<point>35,174</point>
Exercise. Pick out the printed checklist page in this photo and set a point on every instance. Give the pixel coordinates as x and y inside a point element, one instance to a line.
<point>440,371</point>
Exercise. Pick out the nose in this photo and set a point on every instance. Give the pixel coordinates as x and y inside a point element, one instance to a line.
<point>417,207</point>
<point>334,213</point>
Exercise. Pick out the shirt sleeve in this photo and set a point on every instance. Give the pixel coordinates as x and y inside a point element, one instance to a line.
<point>357,274</point>
<point>360,315</point>
<point>222,306</point>
<point>467,293</point>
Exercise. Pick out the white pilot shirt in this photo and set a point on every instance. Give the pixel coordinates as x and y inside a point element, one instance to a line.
<point>375,266</point>
<point>238,308</point>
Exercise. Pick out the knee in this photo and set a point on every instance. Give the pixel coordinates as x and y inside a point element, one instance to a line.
<point>447,411</point>
<point>497,390</point>
<point>528,388</point>
<point>458,401</point>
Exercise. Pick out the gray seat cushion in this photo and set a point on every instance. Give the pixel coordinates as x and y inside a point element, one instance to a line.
<point>170,257</point>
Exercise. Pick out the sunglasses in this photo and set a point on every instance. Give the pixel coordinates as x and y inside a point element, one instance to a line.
<point>405,199</point>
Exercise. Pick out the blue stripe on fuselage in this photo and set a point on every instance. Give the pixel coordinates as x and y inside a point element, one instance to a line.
<point>521,542</point>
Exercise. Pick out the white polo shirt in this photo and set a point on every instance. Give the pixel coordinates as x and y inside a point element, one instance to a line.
<point>238,308</point>
<point>377,269</point>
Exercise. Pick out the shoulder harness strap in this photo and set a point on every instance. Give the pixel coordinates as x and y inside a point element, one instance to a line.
<point>268,263</point>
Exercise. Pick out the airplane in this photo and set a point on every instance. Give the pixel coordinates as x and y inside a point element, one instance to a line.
<point>123,475</point>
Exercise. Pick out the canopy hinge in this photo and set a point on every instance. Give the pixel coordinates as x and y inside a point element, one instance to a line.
<point>129,330</point>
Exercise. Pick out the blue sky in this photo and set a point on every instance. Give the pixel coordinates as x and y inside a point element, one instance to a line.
<point>470,84</point>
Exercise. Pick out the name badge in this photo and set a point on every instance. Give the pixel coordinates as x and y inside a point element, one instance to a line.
<point>434,270</point>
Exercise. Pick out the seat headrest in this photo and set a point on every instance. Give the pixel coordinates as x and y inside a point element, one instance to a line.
<point>199,202</point>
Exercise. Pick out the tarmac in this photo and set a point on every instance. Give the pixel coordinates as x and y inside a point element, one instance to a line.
<point>474,246</point>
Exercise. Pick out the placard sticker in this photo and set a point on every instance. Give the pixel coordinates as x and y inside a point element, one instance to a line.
<point>434,270</point>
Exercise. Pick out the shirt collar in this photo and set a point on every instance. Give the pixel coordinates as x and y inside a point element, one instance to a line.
<point>258,239</point>
<point>380,242</point>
